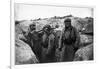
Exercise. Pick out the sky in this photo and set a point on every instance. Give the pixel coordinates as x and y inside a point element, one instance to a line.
<point>28,12</point>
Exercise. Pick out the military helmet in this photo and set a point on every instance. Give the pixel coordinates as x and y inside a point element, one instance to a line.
<point>67,20</point>
<point>47,26</point>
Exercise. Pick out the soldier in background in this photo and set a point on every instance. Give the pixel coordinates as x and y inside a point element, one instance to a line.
<point>29,34</point>
<point>68,42</point>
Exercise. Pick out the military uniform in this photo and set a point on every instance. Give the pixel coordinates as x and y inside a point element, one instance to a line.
<point>68,42</point>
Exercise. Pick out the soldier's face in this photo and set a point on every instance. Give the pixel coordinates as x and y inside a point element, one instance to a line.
<point>33,27</point>
<point>46,29</point>
<point>67,24</point>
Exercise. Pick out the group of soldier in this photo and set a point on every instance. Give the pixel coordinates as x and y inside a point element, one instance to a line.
<point>53,46</point>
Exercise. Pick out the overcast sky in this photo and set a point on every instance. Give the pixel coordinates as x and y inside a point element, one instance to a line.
<point>27,12</point>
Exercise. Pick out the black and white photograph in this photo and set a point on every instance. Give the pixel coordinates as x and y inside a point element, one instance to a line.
<point>53,34</point>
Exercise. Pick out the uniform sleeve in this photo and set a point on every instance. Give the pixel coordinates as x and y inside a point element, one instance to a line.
<point>50,42</point>
<point>76,45</point>
<point>60,40</point>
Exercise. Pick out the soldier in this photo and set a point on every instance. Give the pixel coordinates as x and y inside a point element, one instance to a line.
<point>29,34</point>
<point>35,41</point>
<point>48,44</point>
<point>69,40</point>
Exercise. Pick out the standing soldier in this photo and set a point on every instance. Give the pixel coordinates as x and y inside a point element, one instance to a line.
<point>68,42</point>
<point>48,44</point>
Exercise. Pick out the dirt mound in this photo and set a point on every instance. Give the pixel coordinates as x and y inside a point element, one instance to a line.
<point>84,53</point>
<point>23,53</point>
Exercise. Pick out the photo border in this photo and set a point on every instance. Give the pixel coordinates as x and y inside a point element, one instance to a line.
<point>12,37</point>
